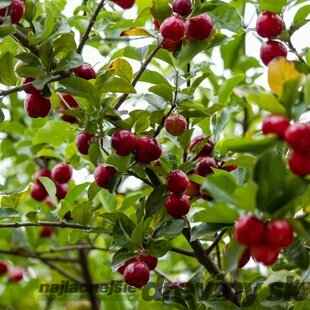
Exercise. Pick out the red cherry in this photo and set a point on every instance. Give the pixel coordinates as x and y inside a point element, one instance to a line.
<point>170,45</point>
<point>299,163</point>
<point>298,138</point>
<point>192,190</point>
<point>264,253</point>
<point>276,124</point>
<point>124,142</point>
<point>177,182</point>
<point>17,11</point>
<point>182,7</point>
<point>229,168</point>
<point>83,141</point>
<point>122,268</point>
<point>137,274</point>
<point>71,102</point>
<point>202,146</point>
<point>176,124</point>
<point>203,195</point>
<point>205,166</point>
<point>147,149</point>
<point>173,28</point>
<point>200,27</point>
<point>16,274</point>
<point>37,106</point>
<point>4,267</point>
<point>150,261</point>
<point>269,25</point>
<point>31,90</point>
<point>271,50</point>
<point>85,71</point>
<point>38,191</point>
<point>279,233</point>
<point>46,232</point>
<point>177,205</point>
<point>244,258</point>
<point>45,172</point>
<point>156,23</point>
<point>61,191</point>
<point>124,4</point>
<point>103,174</point>
<point>249,230</point>
<point>62,173</point>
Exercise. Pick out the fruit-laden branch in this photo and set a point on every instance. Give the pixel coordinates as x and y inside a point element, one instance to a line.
<point>52,224</point>
<point>90,26</point>
<point>139,73</point>
<point>83,254</point>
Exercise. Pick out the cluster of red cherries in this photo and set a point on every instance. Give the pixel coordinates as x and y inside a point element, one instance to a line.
<point>263,241</point>
<point>15,274</point>
<point>136,271</point>
<point>179,26</point>
<point>297,136</point>
<point>270,25</point>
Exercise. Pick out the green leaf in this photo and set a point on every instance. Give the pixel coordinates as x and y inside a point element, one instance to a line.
<point>163,91</point>
<point>301,16</point>
<point>114,85</point>
<point>155,200</point>
<point>272,6</point>
<point>130,200</point>
<point>53,132</point>
<point>49,22</point>
<point>7,75</point>
<point>298,254</point>
<point>246,196</point>
<point>120,258</point>
<point>137,234</point>
<point>153,77</point>
<point>70,61</point>
<point>46,53</point>
<point>82,213</point>
<point>8,213</point>
<point>121,163</point>
<point>206,229</point>
<point>232,255</point>
<point>159,248</point>
<point>307,90</point>
<point>161,9</point>
<point>227,87</point>
<point>122,68</point>
<point>76,191</point>
<point>50,188</point>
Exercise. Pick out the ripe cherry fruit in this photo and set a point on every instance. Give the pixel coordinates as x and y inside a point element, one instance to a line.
<point>17,11</point>
<point>85,71</point>
<point>122,268</point>
<point>16,274</point>
<point>175,124</point>
<point>177,182</point>
<point>125,4</point>
<point>177,205</point>
<point>123,142</point>
<point>137,274</point>
<point>103,174</point>
<point>205,166</point>
<point>276,124</point>
<point>147,149</point>
<point>264,253</point>
<point>4,267</point>
<point>37,106</point>
<point>249,230</point>
<point>182,7</point>
<point>61,191</point>
<point>173,28</point>
<point>200,27</point>
<point>170,45</point>
<point>192,190</point>
<point>150,261</point>
<point>269,25</point>
<point>38,191</point>
<point>62,173</point>
<point>156,23</point>
<point>83,141</point>
<point>45,172</point>
<point>299,163</point>
<point>31,90</point>
<point>202,146</point>
<point>279,233</point>
<point>298,137</point>
<point>271,50</point>
<point>46,232</point>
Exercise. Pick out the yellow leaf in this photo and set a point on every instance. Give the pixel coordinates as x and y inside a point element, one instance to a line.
<point>136,32</point>
<point>121,68</point>
<point>280,71</point>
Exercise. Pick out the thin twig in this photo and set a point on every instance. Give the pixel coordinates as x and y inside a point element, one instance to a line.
<point>52,224</point>
<point>183,252</point>
<point>164,275</point>
<point>215,242</point>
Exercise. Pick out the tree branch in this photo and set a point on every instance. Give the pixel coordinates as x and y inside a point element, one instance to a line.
<point>215,242</point>
<point>183,252</point>
<point>70,248</point>
<point>53,224</point>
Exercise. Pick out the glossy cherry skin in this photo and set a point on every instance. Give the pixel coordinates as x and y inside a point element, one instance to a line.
<point>279,233</point>
<point>62,173</point>
<point>103,174</point>
<point>177,205</point>
<point>299,163</point>
<point>46,232</point>
<point>298,137</point>
<point>228,168</point>
<point>137,274</point>
<point>17,11</point>
<point>170,45</point>
<point>125,4</point>
<point>38,191</point>
<point>4,267</point>
<point>173,28</point>
<point>192,190</point>
<point>200,27</point>
<point>177,182</point>
<point>203,150</point>
<point>244,259</point>
<point>45,172</point>
<point>147,149</point>
<point>249,230</point>
<point>16,274</point>
<point>122,268</point>
<point>175,124</point>
<point>123,142</point>
<point>37,106</point>
<point>31,90</point>
<point>83,141</point>
<point>61,191</point>
<point>271,50</point>
<point>150,261</point>
<point>85,71</point>
<point>182,7</point>
<point>264,253</point>
<point>205,166</point>
<point>276,124</point>
<point>156,23</point>
<point>269,25</point>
